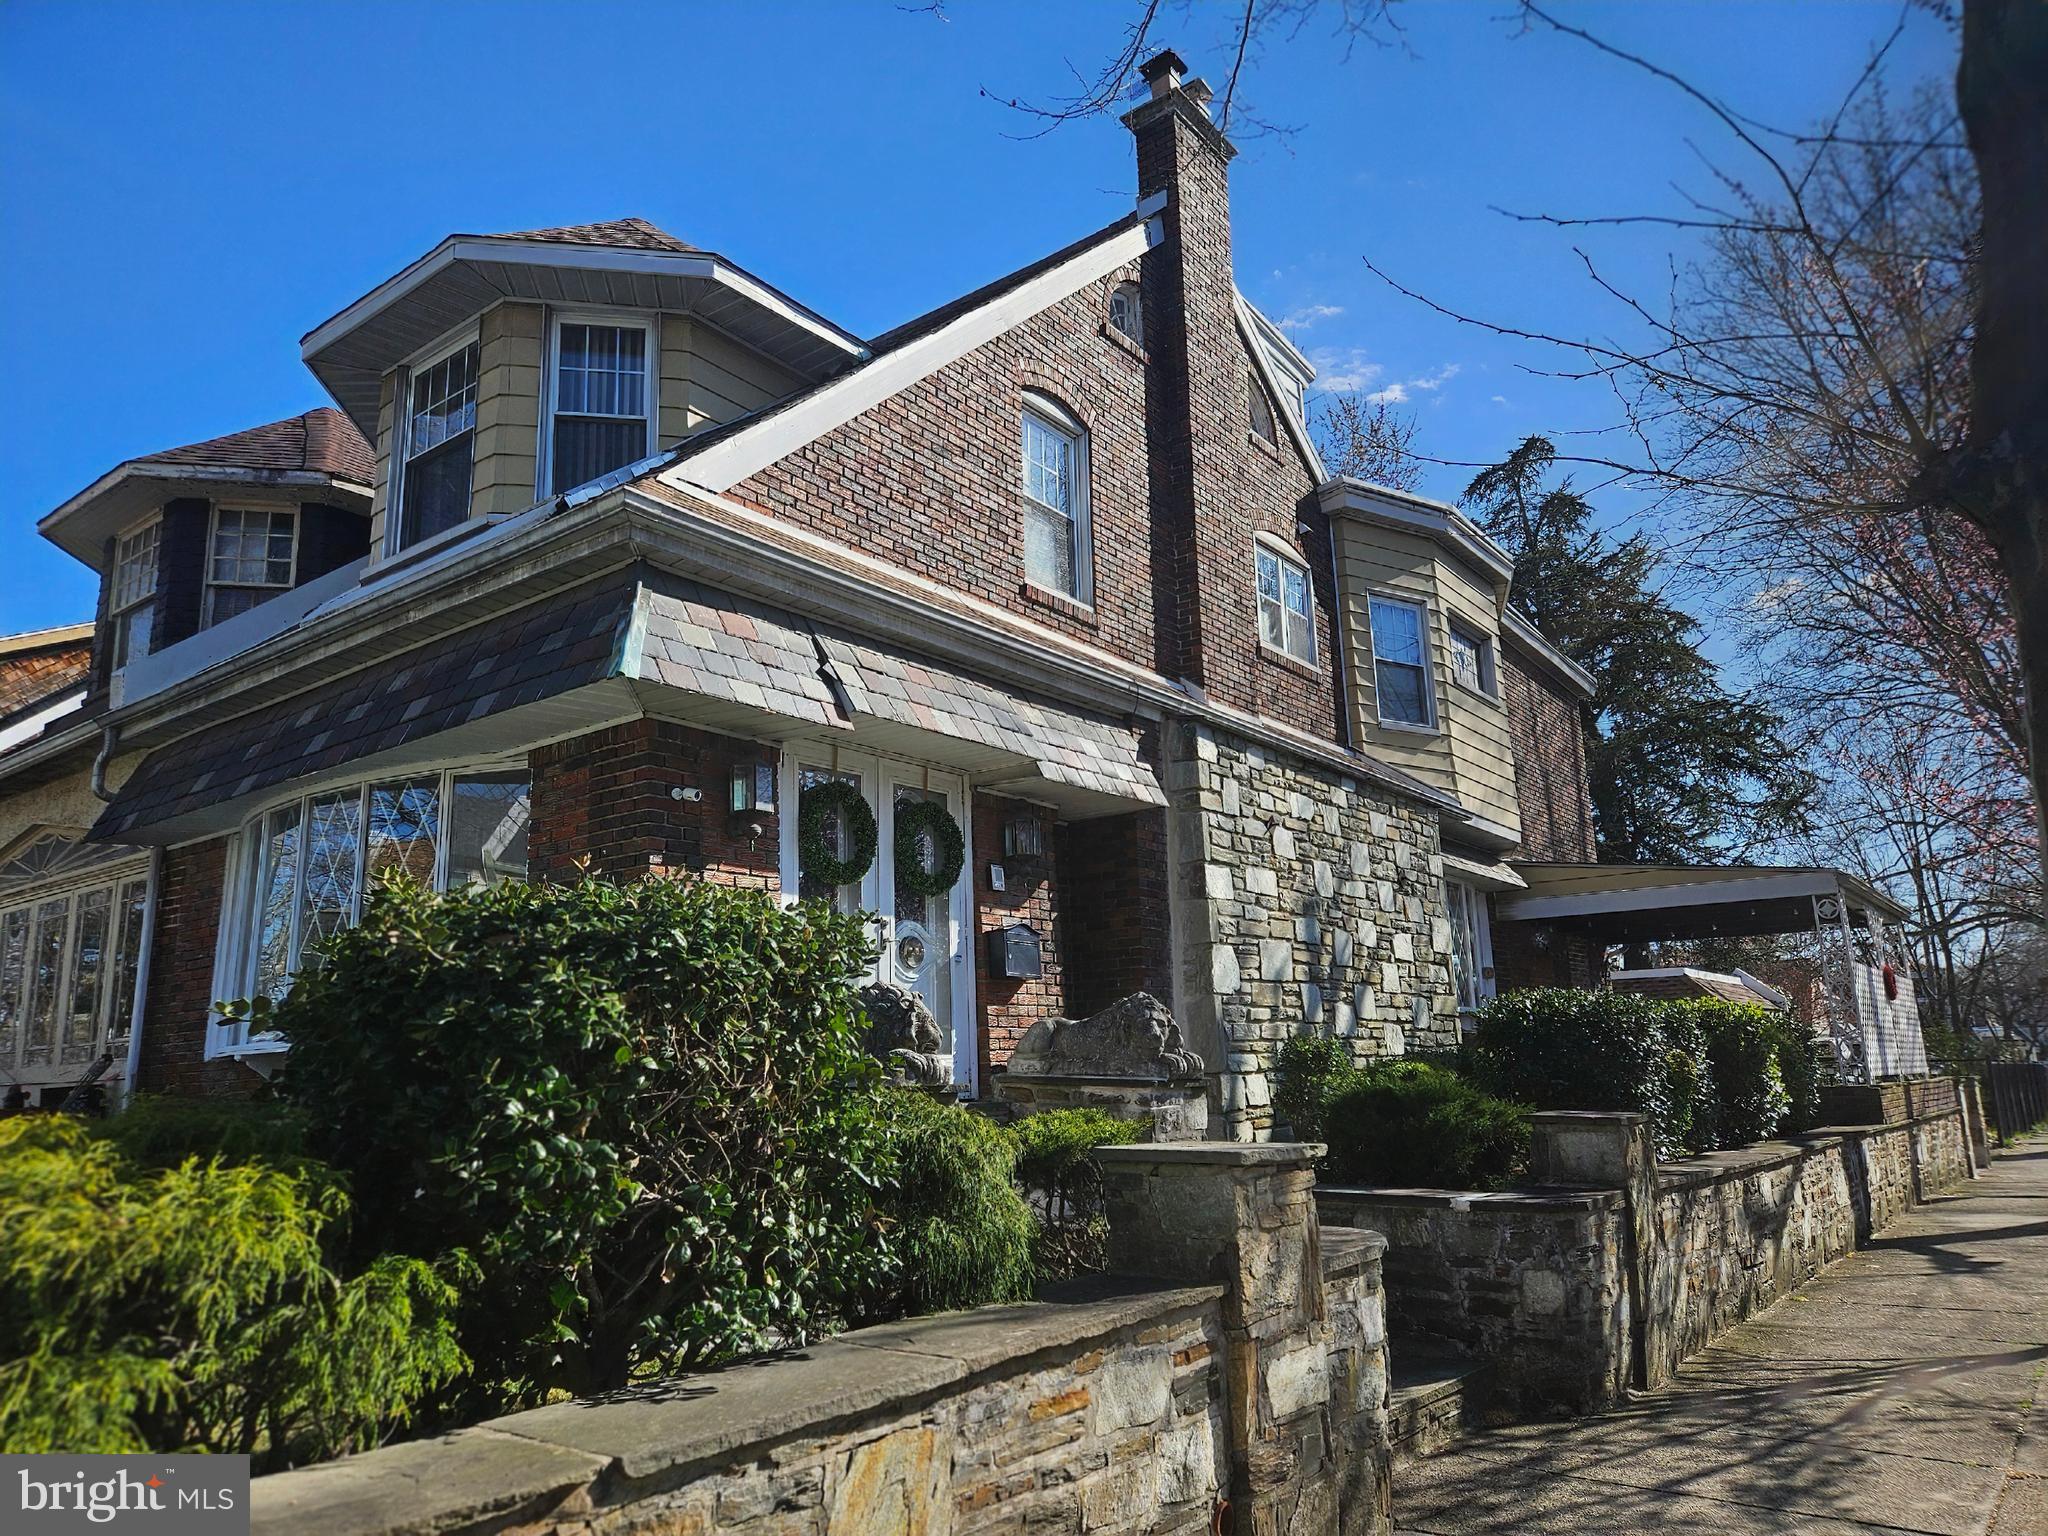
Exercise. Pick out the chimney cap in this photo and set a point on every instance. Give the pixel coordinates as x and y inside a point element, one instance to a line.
<point>1163,71</point>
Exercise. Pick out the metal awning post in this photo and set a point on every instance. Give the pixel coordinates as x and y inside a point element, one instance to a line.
<point>1838,973</point>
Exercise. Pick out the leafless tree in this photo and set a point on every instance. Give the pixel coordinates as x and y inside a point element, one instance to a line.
<point>1369,440</point>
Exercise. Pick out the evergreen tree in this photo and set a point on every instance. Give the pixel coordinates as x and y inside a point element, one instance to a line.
<point>1681,769</point>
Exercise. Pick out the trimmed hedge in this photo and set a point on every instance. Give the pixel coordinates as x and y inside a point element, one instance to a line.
<point>1749,1100</point>
<point>1063,1185</point>
<point>959,1224</point>
<point>1410,1123</point>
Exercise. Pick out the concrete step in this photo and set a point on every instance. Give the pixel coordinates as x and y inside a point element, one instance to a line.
<point>1433,1392</point>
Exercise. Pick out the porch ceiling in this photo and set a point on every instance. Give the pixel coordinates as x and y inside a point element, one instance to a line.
<point>1634,903</point>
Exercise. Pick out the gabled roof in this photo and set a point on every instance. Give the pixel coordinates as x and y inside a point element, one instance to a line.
<point>319,451</point>
<point>322,440</point>
<point>619,234</point>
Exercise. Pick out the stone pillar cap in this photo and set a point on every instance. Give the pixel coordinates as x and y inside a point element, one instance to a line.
<point>1591,1116</point>
<point>1219,1154</point>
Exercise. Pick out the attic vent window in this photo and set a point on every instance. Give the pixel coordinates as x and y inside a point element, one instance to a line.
<point>602,393</point>
<point>1126,313</point>
<point>1261,409</point>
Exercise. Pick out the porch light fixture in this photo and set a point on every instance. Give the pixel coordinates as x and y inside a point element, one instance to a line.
<point>753,788</point>
<point>1024,837</point>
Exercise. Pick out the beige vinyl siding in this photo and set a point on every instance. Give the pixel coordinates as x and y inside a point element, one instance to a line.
<point>387,422</point>
<point>1469,754</point>
<point>508,369</point>
<point>707,377</point>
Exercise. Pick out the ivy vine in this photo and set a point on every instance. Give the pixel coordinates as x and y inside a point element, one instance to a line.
<point>814,854</point>
<point>928,818</point>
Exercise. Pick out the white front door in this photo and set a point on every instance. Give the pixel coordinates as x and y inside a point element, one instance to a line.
<point>922,939</point>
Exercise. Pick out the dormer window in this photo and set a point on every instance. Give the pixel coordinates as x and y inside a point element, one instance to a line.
<point>249,559</point>
<point>603,397</point>
<point>131,592</point>
<point>1126,314</point>
<point>440,446</point>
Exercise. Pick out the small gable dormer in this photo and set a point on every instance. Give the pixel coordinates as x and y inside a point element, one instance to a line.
<point>499,371</point>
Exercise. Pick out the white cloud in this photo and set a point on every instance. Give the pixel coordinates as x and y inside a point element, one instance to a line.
<point>1308,315</point>
<point>1393,394</point>
<point>1500,399</point>
<point>1341,371</point>
<point>1406,389</point>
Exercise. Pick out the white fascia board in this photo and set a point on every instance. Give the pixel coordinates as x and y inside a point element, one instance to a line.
<point>589,258</point>
<point>1290,356</point>
<point>51,525</point>
<point>1705,893</point>
<point>1528,635</point>
<point>1351,497</point>
<point>751,449</point>
<point>1282,399</point>
<point>31,726</point>
<point>78,734</point>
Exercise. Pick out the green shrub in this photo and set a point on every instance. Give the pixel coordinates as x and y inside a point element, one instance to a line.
<point>1409,1123</point>
<point>644,1108</point>
<point>1063,1185</point>
<point>1742,1044</point>
<point>161,1131</point>
<point>1803,1058</point>
<point>1557,1048</point>
<point>1310,1070</point>
<point>961,1227</point>
<point>192,1308</point>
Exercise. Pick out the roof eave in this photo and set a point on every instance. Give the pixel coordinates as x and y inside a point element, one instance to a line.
<point>67,525</point>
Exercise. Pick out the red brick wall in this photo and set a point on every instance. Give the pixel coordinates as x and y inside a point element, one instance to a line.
<point>180,997</point>
<point>1006,1007</point>
<point>1540,955</point>
<point>1116,934</point>
<point>602,802</point>
<point>1550,766</point>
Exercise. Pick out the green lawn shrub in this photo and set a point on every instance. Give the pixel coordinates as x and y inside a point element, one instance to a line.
<point>1309,1071</point>
<point>1743,1041</point>
<point>957,1221</point>
<point>642,1107</point>
<point>1420,1125</point>
<point>1560,1048</point>
<point>1063,1185</point>
<point>195,1305</point>
<point>1803,1058</point>
<point>161,1130</point>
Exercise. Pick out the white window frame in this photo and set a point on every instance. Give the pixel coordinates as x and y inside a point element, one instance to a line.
<point>121,606</point>
<point>1430,726</point>
<point>235,948</point>
<point>1482,647</point>
<point>1479,930</point>
<point>649,325</point>
<point>244,508</point>
<point>1128,289</point>
<point>1058,418</point>
<point>124,878</point>
<point>1264,545</point>
<point>470,335</point>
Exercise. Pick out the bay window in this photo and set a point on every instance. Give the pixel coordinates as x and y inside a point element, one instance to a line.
<point>249,559</point>
<point>440,446</point>
<point>303,868</point>
<point>1400,661</point>
<point>1056,535</point>
<point>603,414</point>
<point>1286,610</point>
<point>131,592</point>
<point>68,955</point>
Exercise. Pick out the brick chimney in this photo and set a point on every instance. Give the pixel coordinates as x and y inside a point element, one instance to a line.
<point>1191,330</point>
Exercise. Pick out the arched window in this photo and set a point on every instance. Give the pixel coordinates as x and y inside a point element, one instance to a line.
<point>1126,313</point>
<point>1261,408</point>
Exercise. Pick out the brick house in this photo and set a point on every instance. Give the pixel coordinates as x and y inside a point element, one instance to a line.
<point>613,556</point>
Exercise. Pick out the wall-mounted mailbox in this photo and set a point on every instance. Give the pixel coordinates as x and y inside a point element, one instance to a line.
<point>1014,950</point>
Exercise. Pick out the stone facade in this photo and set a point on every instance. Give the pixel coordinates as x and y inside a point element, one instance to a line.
<point>1308,901</point>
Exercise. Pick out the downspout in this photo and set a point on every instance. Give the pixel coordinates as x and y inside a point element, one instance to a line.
<point>148,942</point>
<point>109,735</point>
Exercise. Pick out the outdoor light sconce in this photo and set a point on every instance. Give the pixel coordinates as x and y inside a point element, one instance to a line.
<point>753,788</point>
<point>1024,837</point>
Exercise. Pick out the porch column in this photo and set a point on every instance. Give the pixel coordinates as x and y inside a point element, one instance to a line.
<point>1838,972</point>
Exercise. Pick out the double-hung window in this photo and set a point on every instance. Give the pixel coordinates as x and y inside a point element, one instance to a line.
<point>1286,609</point>
<point>306,866</point>
<point>1400,661</point>
<point>249,560</point>
<point>1055,447</point>
<point>440,446</point>
<point>1471,944</point>
<point>1472,661</point>
<point>603,400</point>
<point>131,592</point>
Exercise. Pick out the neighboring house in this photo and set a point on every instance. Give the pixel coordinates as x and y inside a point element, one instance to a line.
<point>618,551</point>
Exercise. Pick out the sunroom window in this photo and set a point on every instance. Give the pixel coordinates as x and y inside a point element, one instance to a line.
<point>1055,448</point>
<point>70,936</point>
<point>249,561</point>
<point>1471,944</point>
<point>131,592</point>
<point>440,446</point>
<point>1286,610</point>
<point>1400,661</point>
<point>601,416</point>
<point>305,866</point>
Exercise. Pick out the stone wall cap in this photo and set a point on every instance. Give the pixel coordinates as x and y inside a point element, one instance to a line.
<point>1532,1198</point>
<point>1221,1154</point>
<point>1587,1117</point>
<point>447,1482</point>
<point>1349,1249</point>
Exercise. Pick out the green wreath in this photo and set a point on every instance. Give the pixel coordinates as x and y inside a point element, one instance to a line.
<point>814,855</point>
<point>949,848</point>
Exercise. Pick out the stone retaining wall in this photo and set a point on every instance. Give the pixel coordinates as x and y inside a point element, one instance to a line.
<point>1253,1400</point>
<point>1573,1294</point>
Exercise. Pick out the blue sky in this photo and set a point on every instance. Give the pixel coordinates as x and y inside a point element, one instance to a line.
<point>186,189</point>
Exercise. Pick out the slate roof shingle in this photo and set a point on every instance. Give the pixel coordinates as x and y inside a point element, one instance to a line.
<point>322,440</point>
<point>623,234</point>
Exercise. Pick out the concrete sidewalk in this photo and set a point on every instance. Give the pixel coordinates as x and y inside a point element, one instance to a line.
<point>1902,1390</point>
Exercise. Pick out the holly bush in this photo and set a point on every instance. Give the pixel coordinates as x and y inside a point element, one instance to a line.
<point>1743,1042</point>
<point>197,1306</point>
<point>642,1107</point>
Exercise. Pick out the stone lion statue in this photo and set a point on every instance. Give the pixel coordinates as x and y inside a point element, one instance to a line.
<point>1134,1037</point>
<point>904,1037</point>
